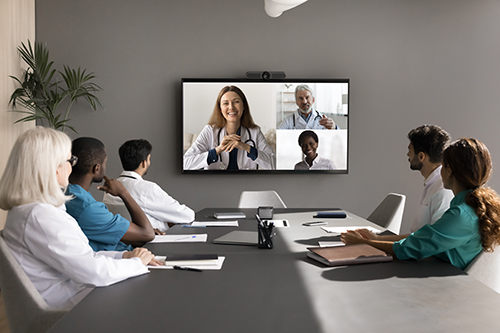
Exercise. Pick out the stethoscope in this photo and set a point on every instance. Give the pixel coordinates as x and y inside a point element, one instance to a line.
<point>250,142</point>
<point>316,117</point>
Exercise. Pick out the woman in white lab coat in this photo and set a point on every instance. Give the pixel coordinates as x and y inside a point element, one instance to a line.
<point>231,140</point>
<point>46,241</point>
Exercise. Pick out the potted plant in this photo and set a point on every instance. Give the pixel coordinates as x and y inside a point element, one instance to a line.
<point>41,95</point>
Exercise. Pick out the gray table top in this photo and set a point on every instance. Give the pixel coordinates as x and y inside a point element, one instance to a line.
<point>281,290</point>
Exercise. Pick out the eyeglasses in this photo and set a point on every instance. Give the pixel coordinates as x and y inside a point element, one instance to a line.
<point>73,160</point>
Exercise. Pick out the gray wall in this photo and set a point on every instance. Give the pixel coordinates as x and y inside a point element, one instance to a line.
<point>410,62</point>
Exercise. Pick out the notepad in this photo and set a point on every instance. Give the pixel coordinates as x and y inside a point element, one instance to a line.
<point>233,215</point>
<point>215,224</point>
<point>218,266</point>
<point>191,260</point>
<point>198,238</point>
<point>339,230</point>
<point>347,255</point>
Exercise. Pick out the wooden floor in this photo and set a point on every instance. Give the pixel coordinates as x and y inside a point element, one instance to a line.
<point>4,325</point>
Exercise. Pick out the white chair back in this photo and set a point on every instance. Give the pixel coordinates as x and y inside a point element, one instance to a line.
<point>26,310</point>
<point>254,199</point>
<point>389,214</point>
<point>486,268</point>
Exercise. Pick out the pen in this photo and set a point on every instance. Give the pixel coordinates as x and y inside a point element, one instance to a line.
<point>183,238</point>
<point>188,269</point>
<point>193,226</point>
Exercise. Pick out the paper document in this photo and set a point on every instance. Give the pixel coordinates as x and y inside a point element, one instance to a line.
<point>215,223</point>
<point>198,238</point>
<point>339,230</point>
<point>208,267</point>
<point>329,244</point>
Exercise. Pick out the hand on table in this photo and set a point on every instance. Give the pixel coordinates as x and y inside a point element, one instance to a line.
<point>144,254</point>
<point>158,232</point>
<point>351,237</point>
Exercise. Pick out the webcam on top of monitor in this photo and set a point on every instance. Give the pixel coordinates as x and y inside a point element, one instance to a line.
<point>265,75</point>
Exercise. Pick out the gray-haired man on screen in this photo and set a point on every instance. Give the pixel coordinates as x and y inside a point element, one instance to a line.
<point>306,117</point>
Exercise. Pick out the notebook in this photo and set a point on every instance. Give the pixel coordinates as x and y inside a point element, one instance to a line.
<point>238,237</point>
<point>347,255</point>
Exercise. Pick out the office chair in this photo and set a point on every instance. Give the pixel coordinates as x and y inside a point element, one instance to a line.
<point>389,214</point>
<point>486,268</point>
<point>254,199</point>
<point>26,310</point>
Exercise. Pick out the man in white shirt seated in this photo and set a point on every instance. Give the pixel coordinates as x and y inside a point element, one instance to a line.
<point>425,152</point>
<point>160,208</point>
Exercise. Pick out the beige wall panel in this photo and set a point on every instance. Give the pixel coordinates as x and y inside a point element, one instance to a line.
<point>17,24</point>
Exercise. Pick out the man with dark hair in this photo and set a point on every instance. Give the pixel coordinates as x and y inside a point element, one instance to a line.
<point>104,230</point>
<point>160,208</point>
<point>425,153</point>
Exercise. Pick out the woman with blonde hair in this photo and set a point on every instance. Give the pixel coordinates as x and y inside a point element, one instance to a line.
<point>46,241</point>
<point>231,140</point>
<point>470,225</point>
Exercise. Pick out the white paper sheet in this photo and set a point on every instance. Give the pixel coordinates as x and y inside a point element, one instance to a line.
<point>208,267</point>
<point>197,238</point>
<point>215,224</point>
<point>329,244</point>
<point>339,230</point>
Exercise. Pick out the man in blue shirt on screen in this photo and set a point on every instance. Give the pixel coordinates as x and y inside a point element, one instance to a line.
<point>104,230</point>
<point>306,117</point>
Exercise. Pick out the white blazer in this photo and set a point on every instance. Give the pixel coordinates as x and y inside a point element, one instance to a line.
<point>55,254</point>
<point>195,157</point>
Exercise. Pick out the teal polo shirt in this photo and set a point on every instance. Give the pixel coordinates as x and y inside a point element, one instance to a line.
<point>103,229</point>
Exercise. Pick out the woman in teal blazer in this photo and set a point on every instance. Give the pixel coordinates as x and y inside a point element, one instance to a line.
<point>471,224</point>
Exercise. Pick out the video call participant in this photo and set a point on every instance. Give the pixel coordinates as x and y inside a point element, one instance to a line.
<point>104,230</point>
<point>159,207</point>
<point>306,117</point>
<point>471,224</point>
<point>231,140</point>
<point>308,141</point>
<point>46,241</point>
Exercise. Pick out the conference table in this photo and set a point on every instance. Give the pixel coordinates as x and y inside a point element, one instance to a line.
<point>282,290</point>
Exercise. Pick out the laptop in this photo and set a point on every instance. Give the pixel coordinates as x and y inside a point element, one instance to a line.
<point>238,237</point>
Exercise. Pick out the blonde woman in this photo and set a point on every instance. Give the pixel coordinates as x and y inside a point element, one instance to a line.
<point>46,241</point>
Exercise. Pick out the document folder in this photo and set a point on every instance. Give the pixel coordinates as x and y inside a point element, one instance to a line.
<point>347,255</point>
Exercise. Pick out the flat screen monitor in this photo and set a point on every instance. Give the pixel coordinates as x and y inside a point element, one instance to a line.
<point>274,126</point>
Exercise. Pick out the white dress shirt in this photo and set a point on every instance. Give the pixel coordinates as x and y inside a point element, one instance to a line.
<point>158,206</point>
<point>55,254</point>
<point>319,163</point>
<point>434,202</point>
